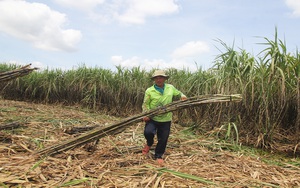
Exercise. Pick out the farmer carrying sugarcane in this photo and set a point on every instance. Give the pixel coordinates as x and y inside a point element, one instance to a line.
<point>158,95</point>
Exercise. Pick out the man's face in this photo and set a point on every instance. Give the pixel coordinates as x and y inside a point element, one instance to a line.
<point>159,80</point>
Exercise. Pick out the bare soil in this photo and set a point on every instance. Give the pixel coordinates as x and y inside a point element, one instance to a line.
<point>116,160</point>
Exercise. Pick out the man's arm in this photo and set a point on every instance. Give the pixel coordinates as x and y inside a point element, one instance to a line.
<point>146,105</point>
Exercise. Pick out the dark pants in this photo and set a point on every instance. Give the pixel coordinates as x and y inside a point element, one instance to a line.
<point>162,129</point>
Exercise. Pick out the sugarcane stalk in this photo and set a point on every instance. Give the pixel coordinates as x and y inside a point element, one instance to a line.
<point>22,71</point>
<point>12,125</point>
<point>119,126</point>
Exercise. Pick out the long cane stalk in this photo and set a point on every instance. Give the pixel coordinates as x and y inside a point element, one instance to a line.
<point>119,126</point>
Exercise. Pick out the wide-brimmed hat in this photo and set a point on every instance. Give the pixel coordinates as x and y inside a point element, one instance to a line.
<point>159,73</point>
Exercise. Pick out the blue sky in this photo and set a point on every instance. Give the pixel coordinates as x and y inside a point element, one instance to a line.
<point>66,34</point>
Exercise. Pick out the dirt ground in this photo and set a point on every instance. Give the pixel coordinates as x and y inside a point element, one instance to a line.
<point>116,160</point>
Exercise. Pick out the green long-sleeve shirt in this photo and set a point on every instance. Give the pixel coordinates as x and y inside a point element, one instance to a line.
<point>154,98</point>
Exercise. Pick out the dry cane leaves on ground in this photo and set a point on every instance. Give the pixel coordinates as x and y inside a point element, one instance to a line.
<point>116,160</point>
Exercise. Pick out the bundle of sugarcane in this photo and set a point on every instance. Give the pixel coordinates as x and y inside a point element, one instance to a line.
<point>22,71</point>
<point>118,127</point>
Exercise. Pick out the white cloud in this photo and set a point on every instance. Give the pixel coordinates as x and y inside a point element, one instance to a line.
<point>139,62</point>
<point>137,10</point>
<point>34,64</point>
<point>147,64</point>
<point>132,62</point>
<point>154,63</point>
<point>124,11</point>
<point>116,59</point>
<point>38,24</point>
<point>183,58</point>
<point>190,49</point>
<point>86,5</point>
<point>295,6</point>
<point>37,64</point>
<point>183,64</point>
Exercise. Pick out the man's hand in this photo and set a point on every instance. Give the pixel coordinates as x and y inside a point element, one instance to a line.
<point>183,98</point>
<point>146,118</point>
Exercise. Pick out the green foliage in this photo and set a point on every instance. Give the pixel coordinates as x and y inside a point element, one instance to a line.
<point>231,133</point>
<point>268,83</point>
<point>186,176</point>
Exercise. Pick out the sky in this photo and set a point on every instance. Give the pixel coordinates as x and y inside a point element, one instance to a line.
<point>150,34</point>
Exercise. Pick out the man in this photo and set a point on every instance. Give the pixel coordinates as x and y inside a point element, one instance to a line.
<point>160,94</point>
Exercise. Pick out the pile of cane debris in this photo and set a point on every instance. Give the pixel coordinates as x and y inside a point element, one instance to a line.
<point>16,73</point>
<point>116,160</point>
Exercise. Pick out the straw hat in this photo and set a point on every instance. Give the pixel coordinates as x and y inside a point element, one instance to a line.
<point>159,73</point>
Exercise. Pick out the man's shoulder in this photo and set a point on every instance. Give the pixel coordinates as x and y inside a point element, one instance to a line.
<point>150,88</point>
<point>168,85</point>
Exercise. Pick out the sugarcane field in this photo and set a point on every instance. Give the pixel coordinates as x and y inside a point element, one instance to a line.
<point>238,127</point>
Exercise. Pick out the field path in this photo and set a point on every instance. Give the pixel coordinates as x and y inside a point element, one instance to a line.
<point>116,161</point>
